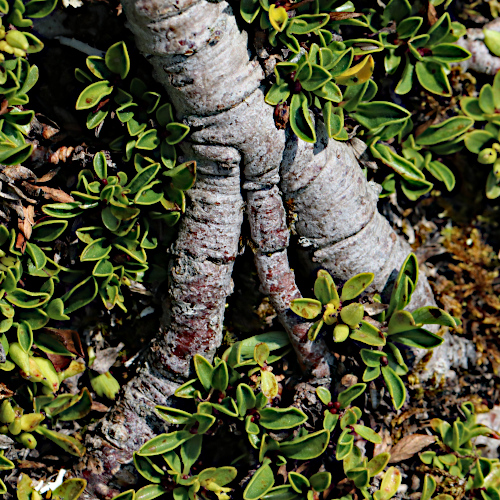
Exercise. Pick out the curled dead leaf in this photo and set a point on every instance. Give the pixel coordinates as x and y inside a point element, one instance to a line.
<point>105,358</point>
<point>5,392</point>
<point>409,446</point>
<point>18,173</point>
<point>48,176</point>
<point>57,195</point>
<point>340,16</point>
<point>69,338</point>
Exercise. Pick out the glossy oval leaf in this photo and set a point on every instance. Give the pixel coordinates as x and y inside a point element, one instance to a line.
<point>356,285</point>
<point>346,397</point>
<point>306,308</point>
<point>281,418</point>
<point>92,94</point>
<point>444,131</point>
<point>118,60</point>
<point>306,447</point>
<point>163,443</point>
<point>260,483</point>
<point>395,386</point>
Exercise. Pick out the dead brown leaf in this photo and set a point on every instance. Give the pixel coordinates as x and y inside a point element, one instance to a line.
<point>105,358</point>
<point>5,392</point>
<point>48,176</point>
<point>69,338</point>
<point>96,406</point>
<point>18,173</point>
<point>56,194</point>
<point>26,225</point>
<point>409,445</point>
<point>386,443</point>
<point>60,362</point>
<point>29,464</point>
<point>62,154</point>
<point>340,16</point>
<point>432,15</point>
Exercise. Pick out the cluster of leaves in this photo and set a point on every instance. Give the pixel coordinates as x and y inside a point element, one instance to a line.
<point>478,477</point>
<point>117,214</point>
<point>228,395</point>
<point>135,108</point>
<point>427,51</point>
<point>122,209</point>
<point>391,325</point>
<point>485,142</point>
<point>17,76</point>
<point>325,76</point>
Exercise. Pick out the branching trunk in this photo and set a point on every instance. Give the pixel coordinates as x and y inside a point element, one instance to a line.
<point>201,57</point>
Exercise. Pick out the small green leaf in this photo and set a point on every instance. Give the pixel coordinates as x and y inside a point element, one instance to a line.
<point>261,353</point>
<point>367,433</point>
<point>92,94</point>
<point>150,492</point>
<point>320,481</point>
<point>48,230</point>
<point>299,483</point>
<point>330,421</point>
<point>281,418</point>
<point>164,443</point>
<point>368,334</point>
<point>220,377</point>
<point>356,285</point>
<point>324,395</point>
<point>245,398</point>
<point>373,115</point>
<point>278,17</point>
<point>117,59</point>
<point>432,77</point>
<point>306,308</point>
<point>377,463</point>
<point>401,321</point>
<point>260,483</point>
<point>346,397</point>
<point>67,443</point>
<point>190,452</point>
<point>173,415</point>
<point>418,338</point>
<point>431,315</point>
<point>306,447</point>
<point>24,336</point>
<point>390,484</point>
<point>72,488</point>
<point>268,384</point>
<point>340,333</point>
<point>204,370</point>
<point>492,41</point>
<point>445,131</point>
<point>352,314</point>
<point>96,250</point>
<point>300,118</point>
<point>395,386</point>
<point>371,358</point>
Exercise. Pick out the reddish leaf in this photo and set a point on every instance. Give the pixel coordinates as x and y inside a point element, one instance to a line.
<point>69,338</point>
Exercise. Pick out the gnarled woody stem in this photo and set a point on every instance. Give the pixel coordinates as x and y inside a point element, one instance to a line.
<point>201,58</point>
<point>193,51</point>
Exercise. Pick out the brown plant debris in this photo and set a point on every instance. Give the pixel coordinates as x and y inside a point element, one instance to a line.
<point>473,292</point>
